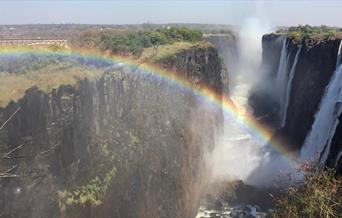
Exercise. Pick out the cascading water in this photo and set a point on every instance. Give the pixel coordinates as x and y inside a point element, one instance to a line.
<point>317,144</point>
<point>272,163</point>
<point>283,80</point>
<point>289,85</point>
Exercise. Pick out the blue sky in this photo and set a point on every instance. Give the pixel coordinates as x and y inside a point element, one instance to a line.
<point>280,12</point>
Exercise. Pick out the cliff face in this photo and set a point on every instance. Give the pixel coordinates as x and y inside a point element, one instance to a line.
<point>335,154</point>
<point>200,64</point>
<point>271,49</point>
<point>260,99</point>
<point>227,47</point>
<point>314,70</point>
<point>312,73</point>
<point>156,136</point>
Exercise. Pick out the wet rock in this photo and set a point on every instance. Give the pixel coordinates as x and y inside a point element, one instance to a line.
<point>159,134</point>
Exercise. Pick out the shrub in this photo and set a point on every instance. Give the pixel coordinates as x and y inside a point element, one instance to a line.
<point>312,32</point>
<point>296,36</point>
<point>317,195</point>
<point>134,43</point>
<point>331,34</point>
<point>94,192</point>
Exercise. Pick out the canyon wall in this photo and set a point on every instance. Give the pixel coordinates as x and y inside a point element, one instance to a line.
<point>129,144</point>
<point>227,47</point>
<point>335,153</point>
<point>312,72</point>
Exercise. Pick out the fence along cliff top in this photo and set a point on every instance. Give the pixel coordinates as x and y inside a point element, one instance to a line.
<point>34,42</point>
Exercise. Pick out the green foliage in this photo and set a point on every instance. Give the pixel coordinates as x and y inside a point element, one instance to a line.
<point>317,195</point>
<point>135,42</point>
<point>296,36</point>
<point>134,139</point>
<point>300,32</point>
<point>331,34</point>
<point>170,51</point>
<point>92,193</point>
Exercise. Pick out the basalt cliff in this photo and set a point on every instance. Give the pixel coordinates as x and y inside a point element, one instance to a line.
<point>128,144</point>
<point>296,79</point>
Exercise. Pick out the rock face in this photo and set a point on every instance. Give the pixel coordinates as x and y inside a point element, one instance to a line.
<point>155,134</point>
<point>227,47</point>
<point>260,99</point>
<point>335,154</point>
<point>315,67</point>
<point>313,73</point>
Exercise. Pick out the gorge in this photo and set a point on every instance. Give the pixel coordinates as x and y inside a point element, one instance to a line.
<point>132,142</point>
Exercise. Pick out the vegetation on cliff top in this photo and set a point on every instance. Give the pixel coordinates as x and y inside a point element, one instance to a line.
<point>135,42</point>
<point>307,32</point>
<point>170,50</point>
<point>21,73</point>
<point>13,86</point>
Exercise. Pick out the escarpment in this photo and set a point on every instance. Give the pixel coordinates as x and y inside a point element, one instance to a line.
<point>305,70</point>
<point>128,144</point>
<point>316,67</point>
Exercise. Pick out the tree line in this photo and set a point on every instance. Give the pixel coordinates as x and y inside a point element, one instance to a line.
<point>135,42</point>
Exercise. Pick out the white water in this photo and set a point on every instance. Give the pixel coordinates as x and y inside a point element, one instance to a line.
<point>288,86</point>
<point>317,144</point>
<point>283,81</point>
<point>238,154</point>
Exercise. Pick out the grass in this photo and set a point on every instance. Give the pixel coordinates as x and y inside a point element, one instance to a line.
<point>50,75</point>
<point>170,50</point>
<point>13,86</point>
<point>319,194</point>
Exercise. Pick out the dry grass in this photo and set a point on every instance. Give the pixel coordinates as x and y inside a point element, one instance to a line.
<point>13,87</point>
<point>318,195</point>
<point>170,50</point>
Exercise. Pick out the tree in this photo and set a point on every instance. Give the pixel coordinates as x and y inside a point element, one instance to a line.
<point>157,39</point>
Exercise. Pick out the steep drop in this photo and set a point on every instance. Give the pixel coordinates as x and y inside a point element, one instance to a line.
<point>317,144</point>
<point>283,81</point>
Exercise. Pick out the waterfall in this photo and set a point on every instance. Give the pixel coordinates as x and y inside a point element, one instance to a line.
<point>339,55</point>
<point>283,81</point>
<point>280,81</point>
<point>317,144</point>
<point>289,85</point>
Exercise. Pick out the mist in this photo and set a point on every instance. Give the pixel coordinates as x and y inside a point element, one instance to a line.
<point>238,155</point>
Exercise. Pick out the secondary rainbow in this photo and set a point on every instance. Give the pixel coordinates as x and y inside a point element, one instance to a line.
<point>247,121</point>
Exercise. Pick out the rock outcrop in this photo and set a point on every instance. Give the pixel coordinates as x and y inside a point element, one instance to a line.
<point>153,135</point>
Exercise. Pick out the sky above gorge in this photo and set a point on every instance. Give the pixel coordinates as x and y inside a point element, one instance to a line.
<point>276,13</point>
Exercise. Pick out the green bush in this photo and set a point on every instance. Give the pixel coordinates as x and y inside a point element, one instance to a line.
<point>94,192</point>
<point>300,32</point>
<point>331,34</point>
<point>296,36</point>
<point>317,195</point>
<point>135,42</point>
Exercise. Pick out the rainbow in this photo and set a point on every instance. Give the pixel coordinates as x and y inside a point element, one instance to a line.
<point>261,134</point>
